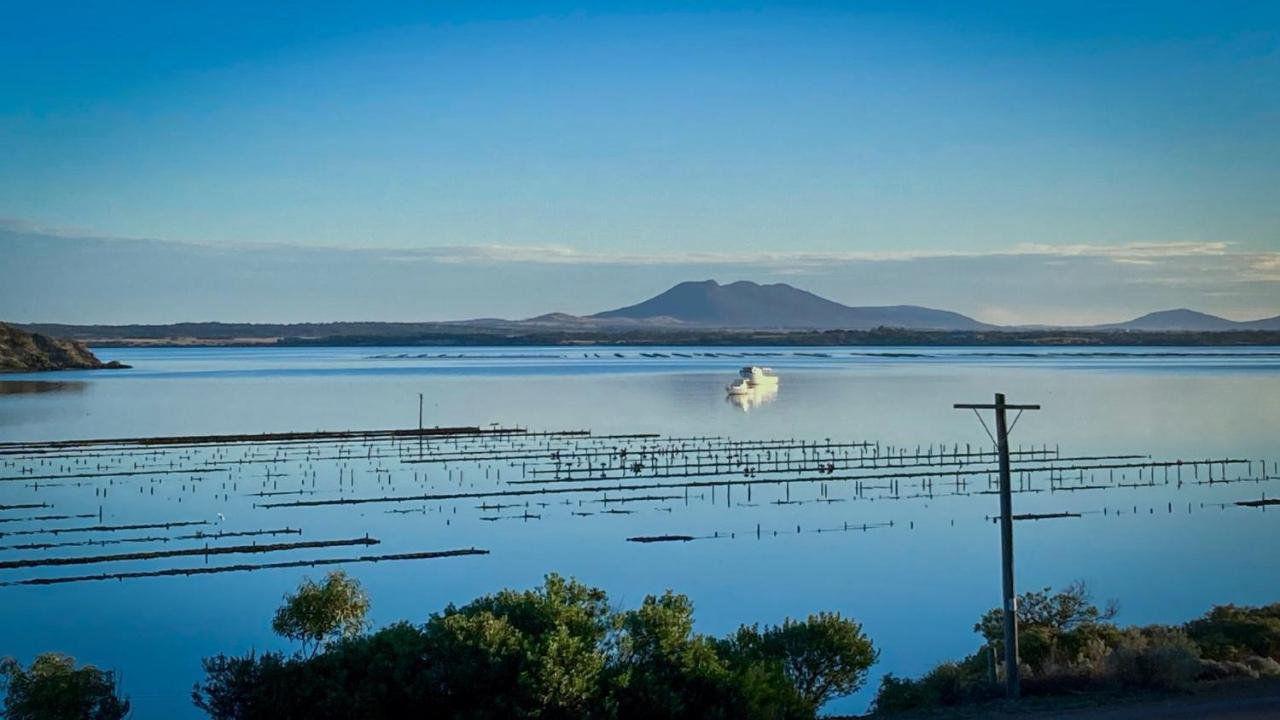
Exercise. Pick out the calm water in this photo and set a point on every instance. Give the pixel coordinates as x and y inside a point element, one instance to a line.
<point>917,586</point>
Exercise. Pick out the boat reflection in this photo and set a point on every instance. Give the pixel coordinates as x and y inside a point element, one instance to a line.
<point>753,398</point>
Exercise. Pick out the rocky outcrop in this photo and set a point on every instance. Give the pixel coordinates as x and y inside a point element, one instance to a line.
<point>21,351</point>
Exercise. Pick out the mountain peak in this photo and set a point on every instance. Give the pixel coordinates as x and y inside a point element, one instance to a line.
<point>1179,312</point>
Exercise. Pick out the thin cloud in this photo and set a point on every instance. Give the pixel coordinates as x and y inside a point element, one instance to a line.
<point>1264,268</point>
<point>1260,265</point>
<point>1127,251</point>
<point>1133,253</point>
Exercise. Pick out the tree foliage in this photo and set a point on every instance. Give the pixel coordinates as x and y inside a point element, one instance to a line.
<point>949,684</point>
<point>823,657</point>
<point>556,651</point>
<point>54,689</point>
<point>665,670</point>
<point>520,653</point>
<point>1054,628</point>
<point>1230,632</point>
<point>1058,612</point>
<point>319,612</point>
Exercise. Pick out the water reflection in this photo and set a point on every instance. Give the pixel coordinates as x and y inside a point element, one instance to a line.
<point>753,398</point>
<point>30,387</point>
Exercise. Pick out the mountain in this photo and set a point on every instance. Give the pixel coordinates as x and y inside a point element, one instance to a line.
<point>745,304</point>
<point>21,351</point>
<point>1190,320</point>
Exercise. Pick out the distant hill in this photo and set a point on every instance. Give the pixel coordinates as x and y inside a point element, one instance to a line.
<point>1191,321</point>
<point>21,351</point>
<point>1271,323</point>
<point>750,305</point>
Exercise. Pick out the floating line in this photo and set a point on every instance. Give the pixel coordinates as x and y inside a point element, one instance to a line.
<point>187,552</point>
<point>247,567</point>
<point>153,538</point>
<point>107,528</point>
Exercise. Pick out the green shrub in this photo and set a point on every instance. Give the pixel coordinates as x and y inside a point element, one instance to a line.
<point>948,684</point>
<point>1036,646</point>
<point>1070,607</point>
<point>554,652</point>
<point>1058,632</point>
<point>1083,648</point>
<point>1154,658</point>
<point>1229,632</point>
<point>1068,646</point>
<point>519,653</point>
<point>822,657</point>
<point>1224,670</point>
<point>1264,666</point>
<point>900,695</point>
<point>54,689</point>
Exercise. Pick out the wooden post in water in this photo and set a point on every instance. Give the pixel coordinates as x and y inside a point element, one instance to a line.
<point>1009,594</point>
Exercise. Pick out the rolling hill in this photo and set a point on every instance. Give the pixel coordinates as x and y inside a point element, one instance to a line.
<point>1190,320</point>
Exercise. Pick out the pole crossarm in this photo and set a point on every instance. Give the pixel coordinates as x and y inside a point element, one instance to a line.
<point>991,406</point>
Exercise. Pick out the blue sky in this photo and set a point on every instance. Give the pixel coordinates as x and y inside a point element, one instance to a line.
<point>443,160</point>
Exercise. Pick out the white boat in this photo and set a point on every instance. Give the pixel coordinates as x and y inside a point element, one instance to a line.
<point>752,380</point>
<point>758,376</point>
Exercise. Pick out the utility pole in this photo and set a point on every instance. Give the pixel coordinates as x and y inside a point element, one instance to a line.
<point>1010,597</point>
<point>419,426</point>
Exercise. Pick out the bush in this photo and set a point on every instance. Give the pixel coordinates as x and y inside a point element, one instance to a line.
<point>900,695</point>
<point>53,689</point>
<point>1154,658</point>
<point>1083,648</point>
<point>557,651</point>
<point>1225,670</point>
<point>1057,631</point>
<point>822,657</point>
<point>520,653</point>
<point>665,670</point>
<point>1067,646</point>
<point>1229,632</point>
<point>1264,666</point>
<point>1070,607</point>
<point>948,684</point>
<point>1063,681</point>
<point>384,674</point>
